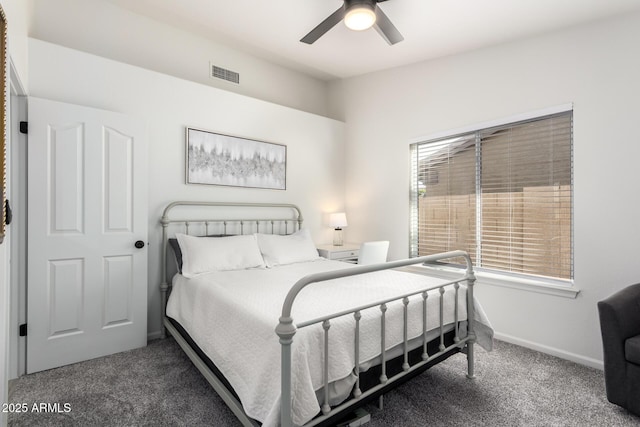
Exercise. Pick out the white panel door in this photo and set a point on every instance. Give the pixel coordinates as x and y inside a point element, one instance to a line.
<point>87,208</point>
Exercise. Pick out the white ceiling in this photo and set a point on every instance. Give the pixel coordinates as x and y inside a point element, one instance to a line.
<point>431,28</point>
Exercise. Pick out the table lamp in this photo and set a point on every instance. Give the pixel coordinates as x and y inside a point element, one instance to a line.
<point>337,221</point>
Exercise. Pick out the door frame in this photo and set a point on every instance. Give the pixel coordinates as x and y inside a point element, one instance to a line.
<point>17,107</point>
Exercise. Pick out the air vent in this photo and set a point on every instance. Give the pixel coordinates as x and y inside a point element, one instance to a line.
<point>224,74</point>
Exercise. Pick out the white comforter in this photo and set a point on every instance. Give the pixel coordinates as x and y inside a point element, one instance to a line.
<point>232,316</point>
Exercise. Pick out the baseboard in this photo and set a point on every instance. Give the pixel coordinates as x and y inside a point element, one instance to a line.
<point>154,335</point>
<point>582,360</point>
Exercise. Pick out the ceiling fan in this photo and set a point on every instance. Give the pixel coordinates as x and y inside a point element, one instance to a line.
<point>358,15</point>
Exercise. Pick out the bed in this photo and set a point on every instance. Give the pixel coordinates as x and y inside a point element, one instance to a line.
<point>288,338</point>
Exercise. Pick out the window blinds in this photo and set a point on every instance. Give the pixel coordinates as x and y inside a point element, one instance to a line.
<point>445,172</point>
<point>503,194</point>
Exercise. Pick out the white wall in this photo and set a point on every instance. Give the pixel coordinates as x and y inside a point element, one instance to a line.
<point>104,29</point>
<point>597,68</point>
<point>315,149</point>
<point>19,19</point>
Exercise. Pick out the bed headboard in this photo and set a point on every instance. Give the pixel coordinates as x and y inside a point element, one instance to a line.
<point>222,218</point>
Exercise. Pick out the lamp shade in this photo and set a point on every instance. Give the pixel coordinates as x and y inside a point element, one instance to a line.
<point>360,15</point>
<point>338,220</point>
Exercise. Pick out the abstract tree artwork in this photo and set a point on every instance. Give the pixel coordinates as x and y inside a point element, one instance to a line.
<point>217,159</point>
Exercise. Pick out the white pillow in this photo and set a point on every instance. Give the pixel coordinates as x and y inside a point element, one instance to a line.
<point>279,250</point>
<point>206,254</point>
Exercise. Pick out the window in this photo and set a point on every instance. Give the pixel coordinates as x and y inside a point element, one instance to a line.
<point>503,194</point>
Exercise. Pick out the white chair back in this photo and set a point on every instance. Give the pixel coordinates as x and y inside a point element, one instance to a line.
<point>373,252</point>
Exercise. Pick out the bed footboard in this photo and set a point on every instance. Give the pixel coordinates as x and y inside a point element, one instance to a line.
<point>287,329</point>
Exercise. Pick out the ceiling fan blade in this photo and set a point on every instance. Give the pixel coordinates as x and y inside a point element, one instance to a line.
<point>324,26</point>
<point>386,29</point>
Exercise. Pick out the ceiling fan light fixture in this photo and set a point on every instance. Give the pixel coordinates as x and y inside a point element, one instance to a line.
<point>360,16</point>
<point>357,15</point>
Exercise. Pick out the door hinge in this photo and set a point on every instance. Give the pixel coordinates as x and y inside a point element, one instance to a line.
<point>24,127</point>
<point>23,330</point>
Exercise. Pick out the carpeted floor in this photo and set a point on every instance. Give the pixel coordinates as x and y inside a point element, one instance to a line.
<point>158,386</point>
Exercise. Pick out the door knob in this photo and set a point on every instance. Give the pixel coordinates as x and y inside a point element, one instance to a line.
<point>139,244</point>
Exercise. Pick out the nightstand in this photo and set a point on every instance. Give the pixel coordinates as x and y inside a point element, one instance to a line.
<point>348,252</point>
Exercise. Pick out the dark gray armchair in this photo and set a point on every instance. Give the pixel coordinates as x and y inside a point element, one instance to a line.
<point>620,327</point>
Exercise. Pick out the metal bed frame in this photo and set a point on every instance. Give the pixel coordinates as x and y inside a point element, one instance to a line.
<point>287,328</point>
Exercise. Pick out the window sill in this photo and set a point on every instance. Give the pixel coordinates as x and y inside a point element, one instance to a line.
<point>541,286</point>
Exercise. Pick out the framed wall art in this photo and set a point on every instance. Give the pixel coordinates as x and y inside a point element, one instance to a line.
<point>218,159</point>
